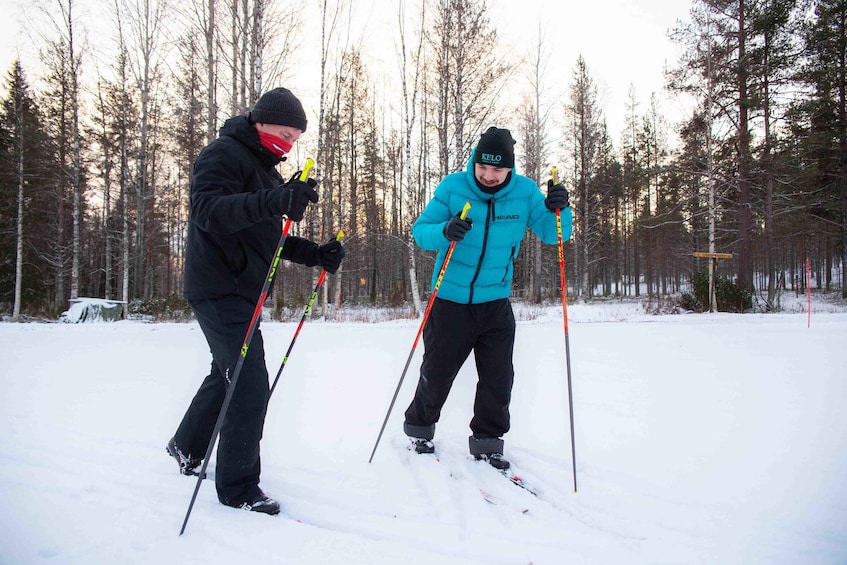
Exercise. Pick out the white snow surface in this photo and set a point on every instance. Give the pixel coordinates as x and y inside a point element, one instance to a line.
<point>700,438</point>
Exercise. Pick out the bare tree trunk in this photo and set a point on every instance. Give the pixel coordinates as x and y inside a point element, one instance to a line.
<point>843,228</point>
<point>767,165</point>
<point>535,134</point>
<point>235,47</point>
<point>329,157</point>
<point>409,118</point>
<point>145,19</point>
<point>19,241</point>
<point>124,165</point>
<point>459,116</point>
<point>107,191</point>
<point>245,63</point>
<point>842,145</point>
<point>75,145</point>
<point>745,211</point>
<point>443,33</point>
<point>713,301</point>
<point>211,73</point>
<point>257,47</point>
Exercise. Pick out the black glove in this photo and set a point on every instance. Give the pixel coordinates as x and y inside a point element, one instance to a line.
<point>329,255</point>
<point>557,197</point>
<point>456,228</point>
<point>293,197</point>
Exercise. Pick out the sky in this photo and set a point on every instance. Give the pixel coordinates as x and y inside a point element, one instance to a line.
<point>700,439</point>
<point>624,42</point>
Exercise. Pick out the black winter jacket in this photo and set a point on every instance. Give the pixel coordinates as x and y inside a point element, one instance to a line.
<point>232,232</point>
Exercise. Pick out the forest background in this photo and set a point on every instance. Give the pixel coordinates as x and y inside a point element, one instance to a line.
<point>98,134</point>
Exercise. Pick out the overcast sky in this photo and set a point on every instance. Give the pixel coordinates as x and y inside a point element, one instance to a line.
<point>624,42</point>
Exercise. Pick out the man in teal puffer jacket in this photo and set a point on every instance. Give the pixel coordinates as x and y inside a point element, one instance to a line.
<point>472,311</point>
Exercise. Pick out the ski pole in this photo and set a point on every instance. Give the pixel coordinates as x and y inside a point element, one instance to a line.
<point>251,329</point>
<point>303,319</point>
<point>564,289</point>
<point>464,214</point>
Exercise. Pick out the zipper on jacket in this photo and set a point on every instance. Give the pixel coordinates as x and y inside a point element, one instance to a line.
<point>488,215</point>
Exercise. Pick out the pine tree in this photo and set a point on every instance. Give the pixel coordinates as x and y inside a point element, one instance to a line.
<point>825,137</point>
<point>27,167</point>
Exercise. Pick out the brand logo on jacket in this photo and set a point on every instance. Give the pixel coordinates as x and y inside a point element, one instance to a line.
<point>508,217</point>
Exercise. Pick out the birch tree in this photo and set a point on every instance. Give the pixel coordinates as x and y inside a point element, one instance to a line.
<point>102,131</point>
<point>410,74</point>
<point>123,126</point>
<point>65,41</point>
<point>534,131</point>
<point>56,108</point>
<point>470,75</point>
<point>145,20</point>
<point>19,140</point>
<point>202,16</point>
<point>706,72</point>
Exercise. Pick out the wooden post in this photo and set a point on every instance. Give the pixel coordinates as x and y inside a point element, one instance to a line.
<point>713,269</point>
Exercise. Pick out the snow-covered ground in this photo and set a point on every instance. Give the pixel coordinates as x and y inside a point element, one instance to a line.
<point>699,439</point>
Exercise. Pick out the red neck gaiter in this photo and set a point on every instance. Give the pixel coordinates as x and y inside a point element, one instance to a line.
<point>274,144</point>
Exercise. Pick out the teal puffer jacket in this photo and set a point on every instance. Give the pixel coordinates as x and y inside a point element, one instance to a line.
<point>481,267</point>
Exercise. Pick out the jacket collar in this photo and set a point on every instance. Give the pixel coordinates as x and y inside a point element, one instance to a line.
<point>240,129</point>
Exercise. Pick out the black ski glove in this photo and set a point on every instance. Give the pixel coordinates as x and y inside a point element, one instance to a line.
<point>329,255</point>
<point>293,197</point>
<point>557,197</point>
<point>457,227</point>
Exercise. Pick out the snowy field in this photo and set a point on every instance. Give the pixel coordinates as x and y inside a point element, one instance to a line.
<point>700,439</point>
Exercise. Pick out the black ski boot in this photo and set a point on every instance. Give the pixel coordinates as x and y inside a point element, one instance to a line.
<point>421,437</point>
<point>495,460</point>
<point>489,449</point>
<point>187,465</point>
<point>422,445</point>
<point>259,503</point>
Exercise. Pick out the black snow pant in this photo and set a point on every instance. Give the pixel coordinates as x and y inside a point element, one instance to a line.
<point>454,330</point>
<point>224,322</point>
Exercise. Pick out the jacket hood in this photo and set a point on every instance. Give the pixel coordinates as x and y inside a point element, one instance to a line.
<point>240,129</point>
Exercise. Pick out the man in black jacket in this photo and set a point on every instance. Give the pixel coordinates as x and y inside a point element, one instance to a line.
<point>236,204</point>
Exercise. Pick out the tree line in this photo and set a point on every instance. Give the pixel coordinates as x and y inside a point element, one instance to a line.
<point>95,163</point>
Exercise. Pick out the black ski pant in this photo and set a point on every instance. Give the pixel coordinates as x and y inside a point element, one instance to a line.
<point>224,322</point>
<point>454,330</point>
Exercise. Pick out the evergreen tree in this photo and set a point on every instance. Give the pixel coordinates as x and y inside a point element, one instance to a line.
<point>27,172</point>
<point>824,118</point>
<point>586,136</point>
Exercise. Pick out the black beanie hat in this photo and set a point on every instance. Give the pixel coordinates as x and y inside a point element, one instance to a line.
<point>496,148</point>
<point>280,107</point>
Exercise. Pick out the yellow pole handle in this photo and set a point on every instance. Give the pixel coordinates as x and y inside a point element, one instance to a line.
<point>465,209</point>
<point>554,172</point>
<point>304,176</point>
